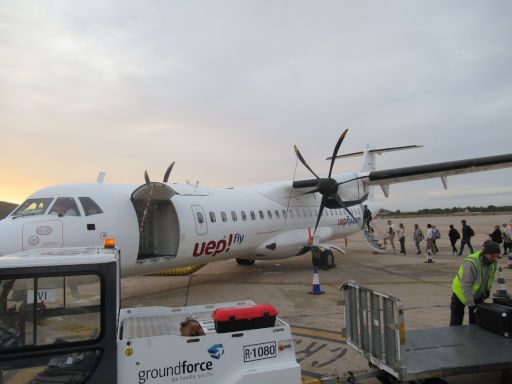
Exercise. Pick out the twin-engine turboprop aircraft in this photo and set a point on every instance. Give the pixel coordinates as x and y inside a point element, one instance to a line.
<point>161,226</point>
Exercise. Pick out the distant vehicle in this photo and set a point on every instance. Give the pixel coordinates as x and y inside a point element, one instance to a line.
<point>161,225</point>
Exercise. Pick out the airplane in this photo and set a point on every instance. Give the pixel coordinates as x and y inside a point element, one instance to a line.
<point>163,226</point>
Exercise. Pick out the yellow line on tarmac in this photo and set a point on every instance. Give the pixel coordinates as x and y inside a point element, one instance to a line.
<point>318,333</point>
<point>309,380</point>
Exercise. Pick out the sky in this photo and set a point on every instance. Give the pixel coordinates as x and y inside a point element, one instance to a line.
<point>226,88</point>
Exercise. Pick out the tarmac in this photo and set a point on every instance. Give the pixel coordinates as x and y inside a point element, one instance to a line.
<point>316,321</point>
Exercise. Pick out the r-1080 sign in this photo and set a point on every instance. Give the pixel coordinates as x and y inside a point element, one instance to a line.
<point>259,351</point>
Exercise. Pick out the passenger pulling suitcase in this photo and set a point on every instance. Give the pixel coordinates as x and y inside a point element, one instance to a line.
<point>495,318</point>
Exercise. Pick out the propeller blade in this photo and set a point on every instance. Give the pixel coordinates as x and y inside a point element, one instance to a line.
<point>168,172</point>
<point>340,202</point>
<point>146,177</point>
<point>306,193</point>
<point>303,161</point>
<point>355,178</point>
<point>336,148</point>
<point>320,211</point>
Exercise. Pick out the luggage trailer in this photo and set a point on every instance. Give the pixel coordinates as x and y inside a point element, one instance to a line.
<point>77,333</point>
<point>375,327</point>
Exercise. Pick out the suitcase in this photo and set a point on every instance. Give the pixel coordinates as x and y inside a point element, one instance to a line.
<point>495,318</point>
<point>502,301</point>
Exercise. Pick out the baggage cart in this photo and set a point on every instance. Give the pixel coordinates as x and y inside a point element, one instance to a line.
<point>375,327</point>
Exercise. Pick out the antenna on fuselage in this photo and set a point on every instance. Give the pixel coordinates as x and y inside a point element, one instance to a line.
<point>101,177</point>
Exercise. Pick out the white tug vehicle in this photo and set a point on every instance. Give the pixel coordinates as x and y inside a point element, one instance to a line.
<point>61,322</point>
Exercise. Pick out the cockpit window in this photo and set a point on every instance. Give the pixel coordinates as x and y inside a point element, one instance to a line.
<point>90,206</point>
<point>64,206</point>
<point>33,207</point>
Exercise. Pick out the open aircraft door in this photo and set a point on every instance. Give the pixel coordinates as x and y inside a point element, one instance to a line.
<point>158,220</point>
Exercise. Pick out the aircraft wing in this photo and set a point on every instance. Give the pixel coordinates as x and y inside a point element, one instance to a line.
<point>449,168</point>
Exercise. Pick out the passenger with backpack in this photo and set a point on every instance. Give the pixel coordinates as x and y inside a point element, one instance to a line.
<point>453,235</point>
<point>390,235</point>
<point>435,235</point>
<point>467,234</point>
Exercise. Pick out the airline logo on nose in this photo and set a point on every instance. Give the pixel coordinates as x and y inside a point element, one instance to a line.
<point>211,248</point>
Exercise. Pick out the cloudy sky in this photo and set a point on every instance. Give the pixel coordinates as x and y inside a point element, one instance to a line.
<point>225,88</point>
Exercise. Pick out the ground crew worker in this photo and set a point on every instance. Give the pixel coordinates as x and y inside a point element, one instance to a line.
<point>473,282</point>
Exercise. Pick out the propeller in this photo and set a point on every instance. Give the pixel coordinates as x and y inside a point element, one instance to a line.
<point>327,187</point>
<point>168,172</point>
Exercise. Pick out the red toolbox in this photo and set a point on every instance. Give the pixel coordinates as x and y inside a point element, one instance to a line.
<point>233,319</point>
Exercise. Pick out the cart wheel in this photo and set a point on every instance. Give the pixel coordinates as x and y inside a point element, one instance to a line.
<point>385,378</point>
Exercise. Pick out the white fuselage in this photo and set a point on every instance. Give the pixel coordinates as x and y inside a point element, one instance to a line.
<point>194,226</point>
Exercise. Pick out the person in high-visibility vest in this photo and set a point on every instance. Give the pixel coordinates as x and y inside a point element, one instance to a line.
<point>473,282</point>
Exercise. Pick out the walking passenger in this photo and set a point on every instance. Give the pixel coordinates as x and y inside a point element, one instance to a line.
<point>496,236</point>
<point>401,238</point>
<point>467,234</point>
<point>390,235</point>
<point>429,243</point>
<point>418,238</point>
<point>473,282</point>
<point>454,235</point>
<point>367,218</point>
<point>435,235</point>
<point>506,239</point>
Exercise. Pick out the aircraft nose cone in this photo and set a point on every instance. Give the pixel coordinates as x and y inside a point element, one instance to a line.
<point>10,237</point>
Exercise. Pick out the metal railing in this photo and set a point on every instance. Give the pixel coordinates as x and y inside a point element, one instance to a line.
<point>374,326</point>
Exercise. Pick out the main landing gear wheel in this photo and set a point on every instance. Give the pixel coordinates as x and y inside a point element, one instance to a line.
<point>322,259</point>
<point>245,261</point>
<point>327,259</point>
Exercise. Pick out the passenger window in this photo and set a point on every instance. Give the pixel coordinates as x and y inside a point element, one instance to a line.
<point>291,213</point>
<point>253,216</point>
<point>262,216</point>
<point>244,216</point>
<point>64,206</point>
<point>277,214</point>
<point>200,217</point>
<point>32,207</point>
<point>223,216</point>
<point>310,212</point>
<point>298,212</point>
<point>67,309</point>
<point>304,212</point>
<point>269,213</point>
<point>233,215</point>
<point>213,219</point>
<point>316,212</point>
<point>284,213</point>
<point>89,206</point>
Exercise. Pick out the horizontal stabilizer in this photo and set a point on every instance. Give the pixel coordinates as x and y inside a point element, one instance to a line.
<point>378,151</point>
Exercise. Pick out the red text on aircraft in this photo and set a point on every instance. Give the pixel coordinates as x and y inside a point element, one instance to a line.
<point>211,248</point>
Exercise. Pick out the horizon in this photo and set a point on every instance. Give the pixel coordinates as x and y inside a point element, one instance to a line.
<point>226,90</point>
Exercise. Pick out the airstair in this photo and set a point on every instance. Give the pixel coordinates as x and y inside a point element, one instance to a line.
<point>374,239</point>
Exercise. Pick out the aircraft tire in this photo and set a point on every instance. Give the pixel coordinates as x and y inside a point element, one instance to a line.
<point>316,258</point>
<point>245,261</point>
<point>327,259</point>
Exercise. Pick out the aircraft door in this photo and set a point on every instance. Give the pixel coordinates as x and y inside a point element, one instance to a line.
<point>200,220</point>
<point>43,234</point>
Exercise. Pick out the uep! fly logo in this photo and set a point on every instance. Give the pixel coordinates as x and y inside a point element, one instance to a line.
<point>211,248</point>
<point>348,221</point>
